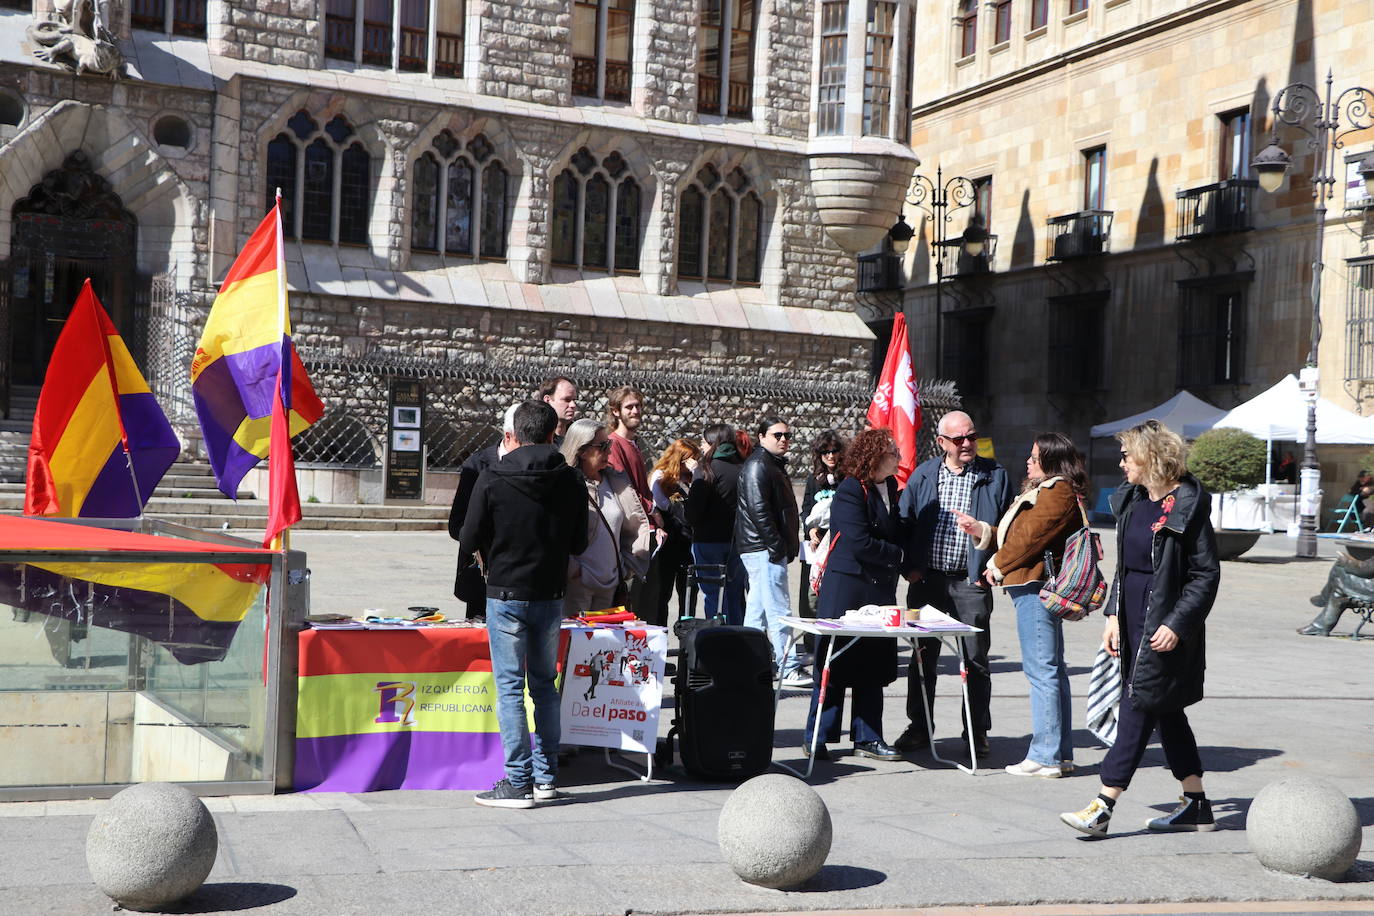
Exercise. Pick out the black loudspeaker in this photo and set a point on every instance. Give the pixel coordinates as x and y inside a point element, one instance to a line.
<point>724,695</point>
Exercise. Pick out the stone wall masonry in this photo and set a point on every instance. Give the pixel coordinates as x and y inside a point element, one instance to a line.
<point>671,60</point>
<point>784,57</point>
<point>285,32</point>
<point>526,50</point>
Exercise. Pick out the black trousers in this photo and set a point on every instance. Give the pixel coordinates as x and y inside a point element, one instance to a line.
<point>970,604</point>
<point>1135,727</point>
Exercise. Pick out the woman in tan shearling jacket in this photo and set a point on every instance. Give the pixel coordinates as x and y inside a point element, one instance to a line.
<point>1040,520</point>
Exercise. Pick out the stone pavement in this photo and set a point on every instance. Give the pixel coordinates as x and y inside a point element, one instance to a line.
<point>911,834</point>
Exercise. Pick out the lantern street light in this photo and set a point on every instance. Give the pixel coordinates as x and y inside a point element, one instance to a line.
<point>940,199</point>
<point>1325,122</point>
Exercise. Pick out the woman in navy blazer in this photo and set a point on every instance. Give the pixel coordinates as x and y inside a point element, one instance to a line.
<point>862,568</point>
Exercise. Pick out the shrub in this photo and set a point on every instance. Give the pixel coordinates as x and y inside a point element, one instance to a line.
<point>1227,459</point>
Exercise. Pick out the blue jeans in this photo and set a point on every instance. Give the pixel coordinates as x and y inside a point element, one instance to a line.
<point>767,604</point>
<point>722,554</point>
<point>1042,661</point>
<point>524,647</point>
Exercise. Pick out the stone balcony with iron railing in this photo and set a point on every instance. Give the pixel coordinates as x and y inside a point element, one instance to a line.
<point>1215,209</point>
<point>1084,234</point>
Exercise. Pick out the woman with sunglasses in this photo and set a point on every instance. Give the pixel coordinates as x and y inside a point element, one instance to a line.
<point>1038,523</point>
<point>618,532</point>
<point>820,489</point>
<point>1167,577</point>
<point>865,555</point>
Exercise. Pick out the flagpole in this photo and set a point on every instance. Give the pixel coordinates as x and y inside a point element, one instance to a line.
<point>282,541</point>
<point>119,414</point>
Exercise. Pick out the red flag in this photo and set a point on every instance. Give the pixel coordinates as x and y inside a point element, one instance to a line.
<point>896,405</point>
<point>283,499</point>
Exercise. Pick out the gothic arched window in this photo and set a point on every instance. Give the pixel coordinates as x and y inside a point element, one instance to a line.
<point>720,228</point>
<point>325,178</point>
<point>597,216</point>
<point>460,193</point>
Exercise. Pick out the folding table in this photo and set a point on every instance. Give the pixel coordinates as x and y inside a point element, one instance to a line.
<point>909,632</point>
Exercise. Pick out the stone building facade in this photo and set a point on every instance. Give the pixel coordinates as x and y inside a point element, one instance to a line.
<point>1110,142</point>
<point>494,189</point>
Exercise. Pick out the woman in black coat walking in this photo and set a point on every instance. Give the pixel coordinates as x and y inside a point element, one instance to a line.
<point>1167,577</point>
<point>865,555</point>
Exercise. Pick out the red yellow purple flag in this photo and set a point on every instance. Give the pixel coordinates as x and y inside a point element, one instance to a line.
<point>100,441</point>
<point>244,359</point>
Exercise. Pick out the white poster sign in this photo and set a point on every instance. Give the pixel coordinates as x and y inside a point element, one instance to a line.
<point>613,689</point>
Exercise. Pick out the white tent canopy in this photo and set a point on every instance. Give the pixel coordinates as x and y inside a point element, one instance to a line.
<point>1280,415</point>
<point>1181,409</point>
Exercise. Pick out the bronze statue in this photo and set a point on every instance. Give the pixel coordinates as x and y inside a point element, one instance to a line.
<point>1349,584</point>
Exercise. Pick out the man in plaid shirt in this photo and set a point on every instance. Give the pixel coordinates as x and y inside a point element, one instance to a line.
<point>946,570</point>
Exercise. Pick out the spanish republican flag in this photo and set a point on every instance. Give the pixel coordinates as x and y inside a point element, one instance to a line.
<point>246,370</point>
<point>100,441</point>
<point>896,405</point>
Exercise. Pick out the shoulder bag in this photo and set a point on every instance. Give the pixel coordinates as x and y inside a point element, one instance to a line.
<point>621,597</point>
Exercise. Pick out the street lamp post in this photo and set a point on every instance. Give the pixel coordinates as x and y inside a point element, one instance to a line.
<point>940,199</point>
<point>1326,123</point>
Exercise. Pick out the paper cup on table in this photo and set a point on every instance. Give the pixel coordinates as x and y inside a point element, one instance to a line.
<point>894,617</point>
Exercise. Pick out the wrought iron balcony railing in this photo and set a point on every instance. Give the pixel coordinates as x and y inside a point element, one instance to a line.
<point>956,262</point>
<point>1079,235</point>
<point>880,273</point>
<point>1215,209</point>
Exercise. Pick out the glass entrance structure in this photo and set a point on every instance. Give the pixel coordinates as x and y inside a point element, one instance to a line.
<point>140,651</point>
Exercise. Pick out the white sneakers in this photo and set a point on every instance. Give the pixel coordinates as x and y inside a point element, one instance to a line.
<point>799,677</point>
<point>1029,767</point>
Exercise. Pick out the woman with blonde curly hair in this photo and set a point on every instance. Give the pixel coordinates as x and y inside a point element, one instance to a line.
<point>1166,582</point>
<point>669,482</point>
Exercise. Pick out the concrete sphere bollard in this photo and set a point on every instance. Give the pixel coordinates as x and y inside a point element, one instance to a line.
<point>1304,826</point>
<point>151,845</point>
<point>775,831</point>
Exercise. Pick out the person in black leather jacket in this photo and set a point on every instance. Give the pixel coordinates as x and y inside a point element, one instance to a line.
<point>767,536</point>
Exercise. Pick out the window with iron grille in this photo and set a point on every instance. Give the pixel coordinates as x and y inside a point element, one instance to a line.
<point>325,177</point>
<point>173,17</point>
<point>834,42</point>
<point>1039,14</point>
<point>1211,335</point>
<point>460,194</point>
<point>882,17</point>
<point>395,35</point>
<point>1359,321</point>
<point>597,215</point>
<point>603,32</point>
<point>725,57</point>
<point>965,359</point>
<point>1002,21</point>
<point>1077,329</point>
<point>720,226</point>
<point>968,27</point>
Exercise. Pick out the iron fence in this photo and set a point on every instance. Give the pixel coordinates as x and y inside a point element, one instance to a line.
<point>466,395</point>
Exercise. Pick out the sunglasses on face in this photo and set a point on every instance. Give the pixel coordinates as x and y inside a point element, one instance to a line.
<point>830,451</point>
<point>781,435</point>
<point>603,446</point>
<point>960,440</point>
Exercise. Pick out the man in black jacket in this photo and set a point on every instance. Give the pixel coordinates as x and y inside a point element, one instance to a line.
<point>527,515</point>
<point>767,536</point>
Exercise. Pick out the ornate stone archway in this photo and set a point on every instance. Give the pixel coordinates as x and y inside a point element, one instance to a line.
<point>70,226</point>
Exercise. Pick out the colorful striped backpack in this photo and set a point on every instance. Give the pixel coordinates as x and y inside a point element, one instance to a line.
<point>1077,588</point>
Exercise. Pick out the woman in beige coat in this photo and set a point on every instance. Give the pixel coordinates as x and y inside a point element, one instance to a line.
<point>618,532</point>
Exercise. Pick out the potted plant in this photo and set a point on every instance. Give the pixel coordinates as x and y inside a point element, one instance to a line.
<point>1225,460</point>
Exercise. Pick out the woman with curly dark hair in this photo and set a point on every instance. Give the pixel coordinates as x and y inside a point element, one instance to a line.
<point>825,476</point>
<point>865,555</point>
